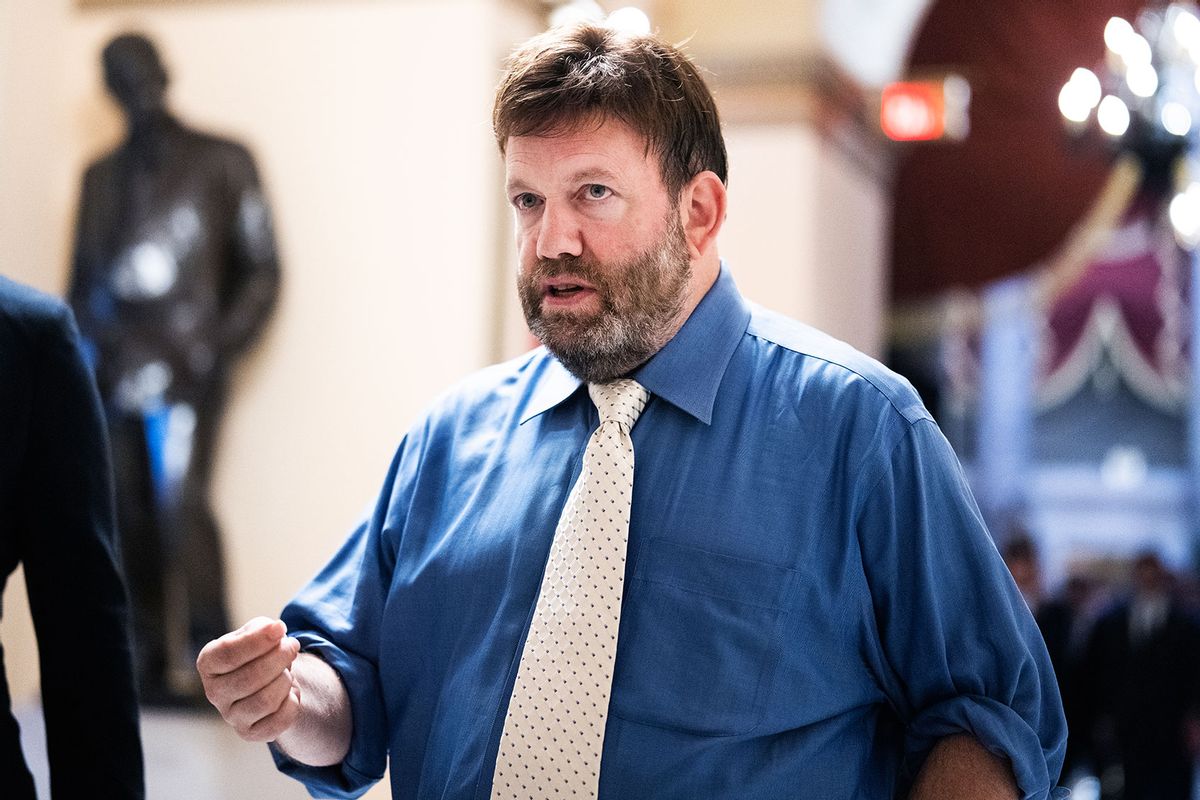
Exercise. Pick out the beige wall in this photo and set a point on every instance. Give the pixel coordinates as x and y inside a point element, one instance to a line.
<point>764,28</point>
<point>32,140</point>
<point>31,231</point>
<point>850,249</point>
<point>806,230</point>
<point>770,231</point>
<point>385,188</point>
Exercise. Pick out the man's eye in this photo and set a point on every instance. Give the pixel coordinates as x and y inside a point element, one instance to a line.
<point>525,201</point>
<point>598,191</point>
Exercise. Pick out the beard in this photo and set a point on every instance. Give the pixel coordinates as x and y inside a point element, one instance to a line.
<point>641,302</point>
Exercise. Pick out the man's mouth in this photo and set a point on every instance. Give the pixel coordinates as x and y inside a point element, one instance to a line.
<point>559,291</point>
<point>564,289</point>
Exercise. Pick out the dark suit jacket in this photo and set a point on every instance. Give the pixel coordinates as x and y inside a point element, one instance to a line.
<point>1142,695</point>
<point>56,518</point>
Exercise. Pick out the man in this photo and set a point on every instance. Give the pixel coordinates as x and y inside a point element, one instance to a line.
<point>1141,687</point>
<point>1066,622</point>
<point>56,519</point>
<point>795,596</point>
<point>175,273</point>
<point>1021,558</point>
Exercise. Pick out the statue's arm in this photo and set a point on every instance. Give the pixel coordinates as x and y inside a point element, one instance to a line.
<point>253,275</point>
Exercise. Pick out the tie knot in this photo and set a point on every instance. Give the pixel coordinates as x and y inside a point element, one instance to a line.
<point>619,401</point>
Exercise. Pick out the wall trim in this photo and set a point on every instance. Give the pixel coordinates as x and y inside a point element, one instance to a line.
<point>809,89</point>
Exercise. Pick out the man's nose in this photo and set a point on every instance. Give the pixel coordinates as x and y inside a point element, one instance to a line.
<point>558,233</point>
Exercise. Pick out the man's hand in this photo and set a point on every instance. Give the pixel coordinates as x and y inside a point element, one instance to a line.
<point>247,675</point>
<point>255,677</point>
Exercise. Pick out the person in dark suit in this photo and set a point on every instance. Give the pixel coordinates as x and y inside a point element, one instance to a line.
<point>56,518</point>
<point>1066,622</point>
<point>1143,669</point>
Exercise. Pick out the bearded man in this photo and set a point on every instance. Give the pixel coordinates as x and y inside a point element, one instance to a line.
<point>790,595</point>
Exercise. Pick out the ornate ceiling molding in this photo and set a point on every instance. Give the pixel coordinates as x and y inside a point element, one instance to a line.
<point>807,88</point>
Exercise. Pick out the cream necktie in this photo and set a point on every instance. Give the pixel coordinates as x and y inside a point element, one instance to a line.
<point>554,730</point>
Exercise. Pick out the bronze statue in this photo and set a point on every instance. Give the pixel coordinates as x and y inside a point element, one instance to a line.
<point>175,273</point>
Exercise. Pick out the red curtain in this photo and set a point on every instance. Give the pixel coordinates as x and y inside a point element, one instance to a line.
<point>1001,201</point>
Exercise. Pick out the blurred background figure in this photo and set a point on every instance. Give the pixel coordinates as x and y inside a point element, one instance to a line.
<point>56,520</point>
<point>175,273</point>
<point>1142,674</point>
<point>1066,621</point>
<point>1021,558</point>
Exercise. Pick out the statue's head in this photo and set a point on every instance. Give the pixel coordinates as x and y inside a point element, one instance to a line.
<point>135,75</point>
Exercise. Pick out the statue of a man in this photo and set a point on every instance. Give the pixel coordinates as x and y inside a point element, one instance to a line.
<point>175,273</point>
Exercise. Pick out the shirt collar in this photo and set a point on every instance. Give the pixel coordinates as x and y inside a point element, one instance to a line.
<point>554,386</point>
<point>687,371</point>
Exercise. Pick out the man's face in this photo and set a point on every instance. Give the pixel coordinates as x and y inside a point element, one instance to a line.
<point>605,271</point>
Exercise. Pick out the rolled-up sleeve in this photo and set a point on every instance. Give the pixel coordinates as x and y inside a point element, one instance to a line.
<point>959,651</point>
<point>337,617</point>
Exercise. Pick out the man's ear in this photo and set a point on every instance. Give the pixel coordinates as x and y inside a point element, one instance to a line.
<point>702,212</point>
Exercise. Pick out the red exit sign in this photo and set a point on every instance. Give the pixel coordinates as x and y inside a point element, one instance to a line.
<point>925,110</point>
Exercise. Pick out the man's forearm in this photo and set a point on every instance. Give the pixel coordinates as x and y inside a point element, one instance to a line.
<point>959,768</point>
<point>321,735</point>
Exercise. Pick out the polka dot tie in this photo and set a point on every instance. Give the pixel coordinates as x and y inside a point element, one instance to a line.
<point>554,730</point>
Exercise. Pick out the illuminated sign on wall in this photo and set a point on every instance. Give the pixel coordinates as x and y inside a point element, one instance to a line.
<point>926,110</point>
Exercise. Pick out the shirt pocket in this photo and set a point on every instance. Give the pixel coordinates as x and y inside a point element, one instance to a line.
<point>700,638</point>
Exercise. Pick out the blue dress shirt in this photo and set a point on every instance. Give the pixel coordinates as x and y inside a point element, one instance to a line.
<point>811,600</point>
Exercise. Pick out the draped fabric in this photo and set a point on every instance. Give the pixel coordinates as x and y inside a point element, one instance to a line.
<point>1002,200</point>
<point>1129,310</point>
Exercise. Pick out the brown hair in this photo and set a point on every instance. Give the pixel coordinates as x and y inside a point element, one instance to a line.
<point>572,75</point>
